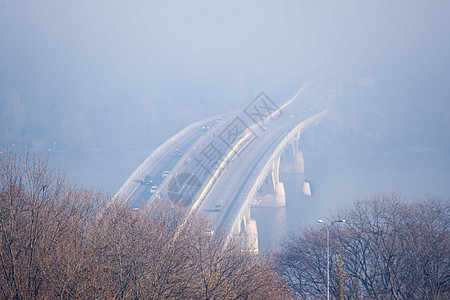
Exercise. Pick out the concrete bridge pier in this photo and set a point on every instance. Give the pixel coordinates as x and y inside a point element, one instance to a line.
<point>299,162</point>
<point>299,167</point>
<point>292,161</point>
<point>271,193</point>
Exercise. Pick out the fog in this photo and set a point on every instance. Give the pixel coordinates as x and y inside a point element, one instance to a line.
<point>84,76</point>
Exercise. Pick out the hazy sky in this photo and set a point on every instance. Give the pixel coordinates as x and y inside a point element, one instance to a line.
<point>98,70</point>
<point>93,39</point>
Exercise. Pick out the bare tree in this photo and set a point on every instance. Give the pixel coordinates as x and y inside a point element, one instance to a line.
<point>28,191</point>
<point>389,249</point>
<point>66,260</point>
<point>153,254</point>
<point>59,241</point>
<point>224,271</point>
<point>42,225</point>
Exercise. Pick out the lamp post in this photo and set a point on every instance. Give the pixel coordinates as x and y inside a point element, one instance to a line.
<point>328,251</point>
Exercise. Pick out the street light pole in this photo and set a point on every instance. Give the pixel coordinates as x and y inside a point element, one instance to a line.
<point>328,251</point>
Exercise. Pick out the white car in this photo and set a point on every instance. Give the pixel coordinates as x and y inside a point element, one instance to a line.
<point>165,174</point>
<point>153,189</point>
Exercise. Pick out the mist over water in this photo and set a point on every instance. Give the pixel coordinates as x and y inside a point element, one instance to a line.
<point>337,180</point>
<point>99,85</point>
<point>106,169</point>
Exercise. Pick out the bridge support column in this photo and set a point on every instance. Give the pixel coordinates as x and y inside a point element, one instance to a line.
<point>306,188</point>
<point>293,161</point>
<point>299,167</point>
<point>272,194</point>
<point>299,162</point>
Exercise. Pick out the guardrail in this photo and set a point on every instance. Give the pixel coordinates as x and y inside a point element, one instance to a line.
<point>291,136</point>
<point>229,156</point>
<point>188,153</point>
<point>201,194</point>
<point>127,187</point>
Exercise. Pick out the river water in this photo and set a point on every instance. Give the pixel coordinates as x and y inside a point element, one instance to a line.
<point>337,180</point>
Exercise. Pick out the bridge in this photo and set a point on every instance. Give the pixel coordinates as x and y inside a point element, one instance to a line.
<point>221,166</point>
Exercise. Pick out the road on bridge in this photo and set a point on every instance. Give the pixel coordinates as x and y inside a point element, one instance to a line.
<point>219,182</point>
<point>210,170</point>
<point>229,186</point>
<point>155,175</point>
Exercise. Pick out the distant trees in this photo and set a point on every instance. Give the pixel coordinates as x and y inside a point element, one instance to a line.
<point>388,249</point>
<point>58,241</point>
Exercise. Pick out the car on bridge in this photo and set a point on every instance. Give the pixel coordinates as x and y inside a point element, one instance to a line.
<point>147,180</point>
<point>177,153</point>
<point>153,189</point>
<point>206,127</point>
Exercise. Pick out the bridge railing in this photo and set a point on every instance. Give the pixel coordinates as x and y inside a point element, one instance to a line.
<point>189,153</point>
<point>200,196</point>
<point>250,192</point>
<point>127,187</point>
<point>226,159</point>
